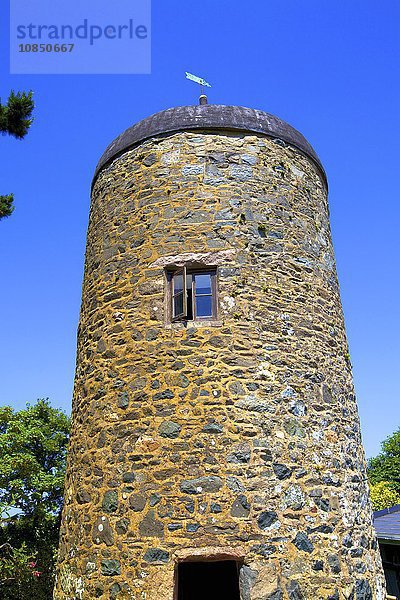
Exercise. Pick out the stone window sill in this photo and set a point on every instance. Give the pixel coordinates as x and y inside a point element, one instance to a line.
<point>196,324</point>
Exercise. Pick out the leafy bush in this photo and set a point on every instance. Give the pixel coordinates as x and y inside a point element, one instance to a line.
<point>33,447</point>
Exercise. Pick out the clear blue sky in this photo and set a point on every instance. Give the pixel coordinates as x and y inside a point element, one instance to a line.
<point>330,68</point>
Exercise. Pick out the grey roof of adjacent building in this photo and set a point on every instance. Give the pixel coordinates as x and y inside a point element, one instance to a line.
<point>208,117</point>
<point>387,523</point>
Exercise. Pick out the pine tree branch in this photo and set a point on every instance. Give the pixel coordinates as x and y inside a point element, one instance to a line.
<point>6,205</point>
<point>16,115</point>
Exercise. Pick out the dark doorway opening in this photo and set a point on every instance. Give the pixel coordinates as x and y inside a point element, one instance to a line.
<point>216,580</point>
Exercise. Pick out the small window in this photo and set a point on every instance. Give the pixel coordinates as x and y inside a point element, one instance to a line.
<point>193,294</point>
<point>208,580</point>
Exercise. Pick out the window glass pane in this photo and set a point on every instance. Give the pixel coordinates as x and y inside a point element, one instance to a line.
<point>203,283</point>
<point>203,306</point>
<point>188,281</point>
<point>178,305</point>
<point>178,283</point>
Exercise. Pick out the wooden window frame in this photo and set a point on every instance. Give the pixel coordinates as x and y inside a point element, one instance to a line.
<point>185,271</point>
<point>213,274</point>
<point>174,295</point>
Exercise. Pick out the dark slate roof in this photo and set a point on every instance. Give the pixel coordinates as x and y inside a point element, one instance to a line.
<point>207,117</point>
<point>387,523</point>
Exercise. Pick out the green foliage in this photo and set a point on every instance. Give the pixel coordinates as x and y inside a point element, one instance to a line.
<point>32,458</point>
<point>33,446</point>
<point>383,495</point>
<point>16,115</point>
<point>6,205</point>
<point>15,120</point>
<point>386,466</point>
<point>19,577</point>
<point>384,474</point>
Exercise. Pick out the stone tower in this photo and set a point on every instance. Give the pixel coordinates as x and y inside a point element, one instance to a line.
<point>215,450</point>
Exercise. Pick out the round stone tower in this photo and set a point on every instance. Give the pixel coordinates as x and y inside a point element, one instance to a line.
<point>215,450</point>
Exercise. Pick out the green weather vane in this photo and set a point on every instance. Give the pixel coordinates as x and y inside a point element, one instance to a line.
<point>202,83</point>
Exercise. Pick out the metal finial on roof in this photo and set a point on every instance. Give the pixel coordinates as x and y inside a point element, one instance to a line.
<point>202,83</point>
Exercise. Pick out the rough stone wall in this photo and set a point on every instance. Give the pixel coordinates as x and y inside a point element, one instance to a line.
<point>235,438</point>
